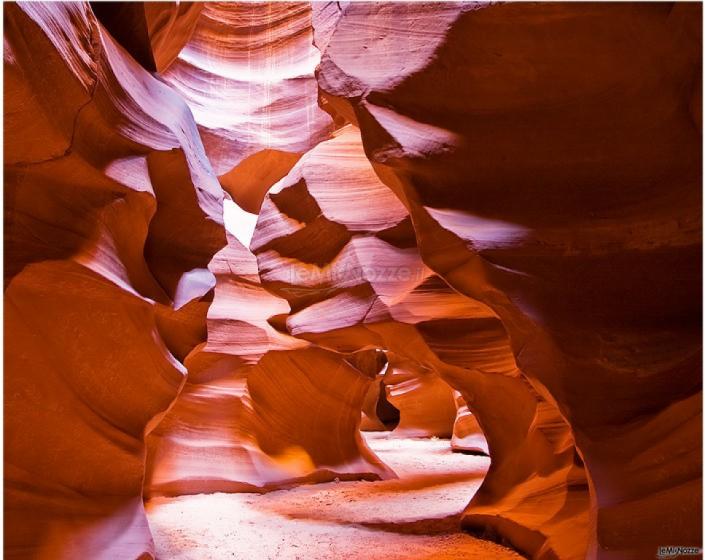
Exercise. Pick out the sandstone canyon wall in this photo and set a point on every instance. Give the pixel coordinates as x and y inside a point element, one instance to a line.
<point>112,214</point>
<point>490,214</point>
<point>550,160</point>
<point>251,413</point>
<point>366,286</point>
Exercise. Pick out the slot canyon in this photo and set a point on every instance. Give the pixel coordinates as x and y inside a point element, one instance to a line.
<point>361,280</point>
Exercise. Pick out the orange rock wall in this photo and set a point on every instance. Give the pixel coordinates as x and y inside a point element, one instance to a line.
<point>502,203</point>
<point>550,158</point>
<point>252,413</point>
<point>365,286</point>
<point>112,213</point>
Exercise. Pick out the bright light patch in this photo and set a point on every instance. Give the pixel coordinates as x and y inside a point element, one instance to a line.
<point>238,222</point>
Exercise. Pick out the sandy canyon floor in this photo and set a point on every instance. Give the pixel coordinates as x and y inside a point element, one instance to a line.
<point>413,517</point>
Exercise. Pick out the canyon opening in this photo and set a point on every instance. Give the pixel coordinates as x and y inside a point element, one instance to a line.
<point>362,280</point>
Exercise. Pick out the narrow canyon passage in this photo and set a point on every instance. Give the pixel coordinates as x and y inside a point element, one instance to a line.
<point>414,516</point>
<point>281,277</point>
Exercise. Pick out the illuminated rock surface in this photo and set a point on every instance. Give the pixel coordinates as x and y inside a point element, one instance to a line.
<point>367,286</point>
<point>246,73</point>
<point>112,213</point>
<point>467,433</point>
<point>585,243</point>
<point>474,222</point>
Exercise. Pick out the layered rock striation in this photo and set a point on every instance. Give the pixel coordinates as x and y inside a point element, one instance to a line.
<point>251,414</point>
<point>366,286</point>
<point>477,221</point>
<point>550,159</point>
<point>112,214</point>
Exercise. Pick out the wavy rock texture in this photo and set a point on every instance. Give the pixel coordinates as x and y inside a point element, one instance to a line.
<point>474,220</point>
<point>467,433</point>
<point>204,443</point>
<point>170,26</point>
<point>365,286</point>
<point>425,402</point>
<point>377,414</point>
<point>250,416</point>
<point>152,32</point>
<point>112,214</point>
<point>410,400</point>
<point>246,72</point>
<point>550,160</point>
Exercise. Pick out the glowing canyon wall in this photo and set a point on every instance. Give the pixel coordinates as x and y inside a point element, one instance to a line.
<point>550,160</point>
<point>112,214</point>
<point>486,217</point>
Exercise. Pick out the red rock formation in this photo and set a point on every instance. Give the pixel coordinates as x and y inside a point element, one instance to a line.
<point>170,26</point>
<point>112,214</point>
<point>204,443</point>
<point>467,434</point>
<point>410,400</point>
<point>510,208</point>
<point>250,416</point>
<point>152,32</point>
<point>294,395</point>
<point>246,72</point>
<point>365,286</point>
<point>425,402</point>
<point>549,157</point>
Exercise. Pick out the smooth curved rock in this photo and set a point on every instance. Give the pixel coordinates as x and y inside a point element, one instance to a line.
<point>170,26</point>
<point>247,75</point>
<point>112,213</point>
<point>549,157</point>
<point>467,434</point>
<point>154,33</point>
<point>425,402</point>
<point>475,219</point>
<point>258,409</point>
<point>307,404</point>
<point>362,284</point>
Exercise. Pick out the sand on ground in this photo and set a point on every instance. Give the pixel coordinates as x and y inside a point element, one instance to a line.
<point>416,516</point>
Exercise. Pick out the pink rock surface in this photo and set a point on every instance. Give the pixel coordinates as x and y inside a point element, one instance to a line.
<point>246,73</point>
